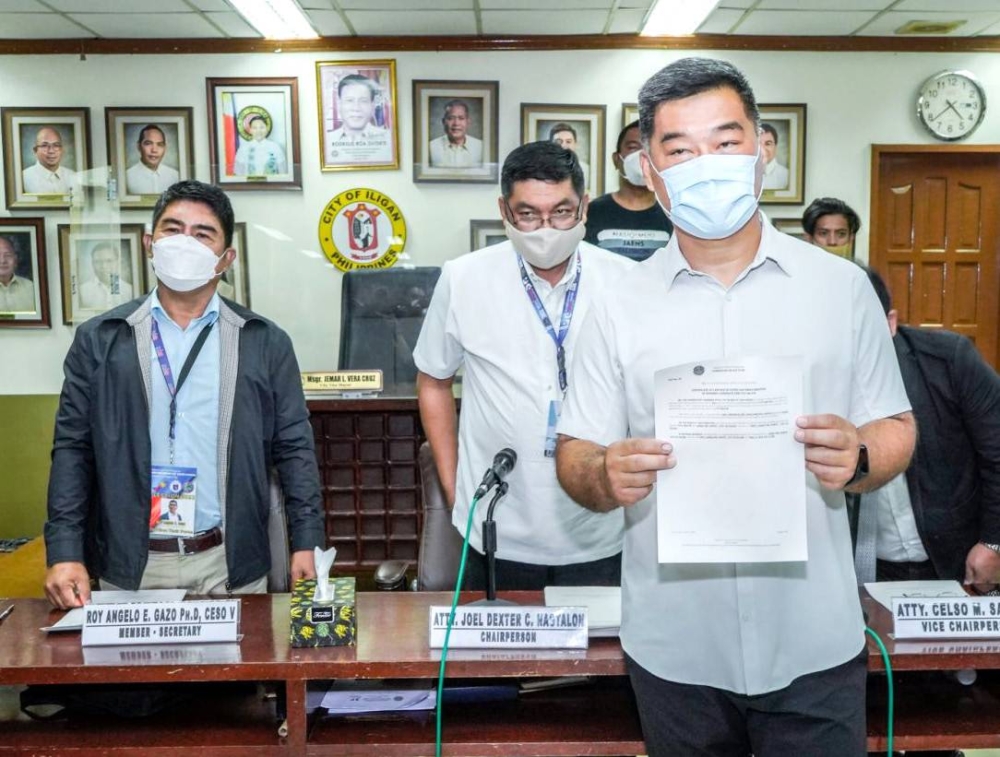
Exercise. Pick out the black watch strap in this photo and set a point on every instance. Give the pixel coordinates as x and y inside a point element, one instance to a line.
<point>861,469</point>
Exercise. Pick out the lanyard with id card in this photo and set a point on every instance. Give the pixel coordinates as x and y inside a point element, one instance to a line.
<point>569,305</point>
<point>173,488</point>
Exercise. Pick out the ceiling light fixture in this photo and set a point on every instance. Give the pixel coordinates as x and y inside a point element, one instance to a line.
<point>677,18</point>
<point>276,19</point>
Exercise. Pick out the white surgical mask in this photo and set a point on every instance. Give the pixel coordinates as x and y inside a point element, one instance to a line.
<point>183,263</point>
<point>712,196</point>
<point>545,247</point>
<point>632,169</point>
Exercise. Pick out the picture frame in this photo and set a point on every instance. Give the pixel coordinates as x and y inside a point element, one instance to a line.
<point>149,149</point>
<point>99,268</point>
<point>254,133</point>
<point>358,118</point>
<point>436,155</point>
<point>790,226</point>
<point>24,300</point>
<point>483,233</point>
<point>784,126</point>
<point>235,283</point>
<point>630,113</point>
<point>45,152</point>
<point>584,134</point>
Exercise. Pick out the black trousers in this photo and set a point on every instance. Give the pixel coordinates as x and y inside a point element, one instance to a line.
<point>520,576</point>
<point>820,714</point>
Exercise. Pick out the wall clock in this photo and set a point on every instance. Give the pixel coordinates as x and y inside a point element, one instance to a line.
<point>951,105</point>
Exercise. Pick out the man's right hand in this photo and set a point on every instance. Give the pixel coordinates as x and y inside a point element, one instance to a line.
<point>630,468</point>
<point>67,585</point>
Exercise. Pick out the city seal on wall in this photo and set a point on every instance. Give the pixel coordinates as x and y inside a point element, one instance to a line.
<point>362,228</point>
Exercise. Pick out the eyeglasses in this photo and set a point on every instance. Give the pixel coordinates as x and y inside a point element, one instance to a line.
<point>49,146</point>
<point>560,218</point>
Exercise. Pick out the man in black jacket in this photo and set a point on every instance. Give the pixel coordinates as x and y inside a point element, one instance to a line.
<point>944,523</point>
<point>179,393</point>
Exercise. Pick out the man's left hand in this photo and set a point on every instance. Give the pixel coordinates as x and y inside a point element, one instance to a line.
<point>982,568</point>
<point>831,448</point>
<point>303,565</point>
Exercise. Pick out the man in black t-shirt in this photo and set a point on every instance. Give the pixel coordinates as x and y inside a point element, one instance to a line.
<point>629,221</point>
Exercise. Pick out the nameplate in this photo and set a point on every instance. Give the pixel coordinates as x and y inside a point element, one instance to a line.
<point>342,381</point>
<point>510,627</point>
<point>198,622</point>
<point>946,618</point>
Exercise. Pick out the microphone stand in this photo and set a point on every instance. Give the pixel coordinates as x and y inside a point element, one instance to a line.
<point>490,549</point>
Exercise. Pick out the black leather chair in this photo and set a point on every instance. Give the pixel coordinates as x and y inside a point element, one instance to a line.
<point>381,313</point>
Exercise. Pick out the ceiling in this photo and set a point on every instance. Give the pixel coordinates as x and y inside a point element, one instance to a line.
<point>207,19</point>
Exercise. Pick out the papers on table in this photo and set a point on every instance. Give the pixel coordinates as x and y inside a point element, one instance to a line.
<point>603,603</point>
<point>883,591</point>
<point>73,620</point>
<point>738,493</point>
<point>354,702</point>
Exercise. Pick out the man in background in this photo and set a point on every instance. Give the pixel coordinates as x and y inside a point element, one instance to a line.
<point>17,293</point>
<point>48,176</point>
<point>150,175</point>
<point>831,224</point>
<point>775,174</point>
<point>628,222</point>
<point>564,135</point>
<point>107,288</point>
<point>456,148</point>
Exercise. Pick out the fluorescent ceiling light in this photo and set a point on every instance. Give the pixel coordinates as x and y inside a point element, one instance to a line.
<point>676,18</point>
<point>276,19</point>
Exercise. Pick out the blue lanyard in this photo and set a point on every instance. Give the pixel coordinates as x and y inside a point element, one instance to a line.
<point>168,376</point>
<point>569,304</point>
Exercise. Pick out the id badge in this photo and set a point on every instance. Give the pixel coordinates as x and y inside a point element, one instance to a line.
<point>173,494</point>
<point>555,406</point>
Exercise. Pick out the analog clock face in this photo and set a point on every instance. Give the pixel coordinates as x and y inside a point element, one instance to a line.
<point>951,105</point>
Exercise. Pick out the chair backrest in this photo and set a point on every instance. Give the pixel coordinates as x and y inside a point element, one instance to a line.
<point>277,538</point>
<point>381,313</point>
<point>440,542</point>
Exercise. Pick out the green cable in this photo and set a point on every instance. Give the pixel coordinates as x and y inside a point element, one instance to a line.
<point>447,631</point>
<point>888,673</point>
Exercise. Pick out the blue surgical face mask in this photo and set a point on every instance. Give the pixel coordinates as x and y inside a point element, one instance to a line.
<point>712,196</point>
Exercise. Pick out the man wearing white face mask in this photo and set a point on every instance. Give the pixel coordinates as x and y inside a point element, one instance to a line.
<point>628,222</point>
<point>179,395</point>
<point>731,659</point>
<point>511,313</point>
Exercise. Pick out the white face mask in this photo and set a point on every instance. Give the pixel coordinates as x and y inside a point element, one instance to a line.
<point>183,263</point>
<point>632,169</point>
<point>545,247</point>
<point>712,196</point>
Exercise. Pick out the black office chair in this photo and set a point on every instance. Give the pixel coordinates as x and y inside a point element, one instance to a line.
<point>381,313</point>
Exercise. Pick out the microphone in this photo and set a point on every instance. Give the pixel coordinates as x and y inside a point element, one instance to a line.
<point>503,463</point>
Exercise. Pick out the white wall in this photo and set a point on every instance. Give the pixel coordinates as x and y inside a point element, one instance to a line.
<point>854,100</point>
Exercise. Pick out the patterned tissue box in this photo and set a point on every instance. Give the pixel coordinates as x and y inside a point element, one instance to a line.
<point>326,624</point>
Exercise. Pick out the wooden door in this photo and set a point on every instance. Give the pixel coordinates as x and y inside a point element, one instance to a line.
<point>935,236</point>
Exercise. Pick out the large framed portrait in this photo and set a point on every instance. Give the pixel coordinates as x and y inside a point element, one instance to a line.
<point>483,233</point>
<point>254,133</point>
<point>579,128</point>
<point>99,268</point>
<point>148,150</point>
<point>455,131</point>
<point>24,289</point>
<point>235,282</point>
<point>358,121</point>
<point>783,143</point>
<point>44,151</point>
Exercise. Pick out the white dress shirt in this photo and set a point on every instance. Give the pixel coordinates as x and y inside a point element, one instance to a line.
<point>38,180</point>
<point>18,296</point>
<point>260,158</point>
<point>748,628</point>
<point>95,295</point>
<point>775,176</point>
<point>898,539</point>
<point>140,179</point>
<point>444,154</point>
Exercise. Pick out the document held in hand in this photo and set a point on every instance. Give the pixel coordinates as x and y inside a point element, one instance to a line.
<point>738,492</point>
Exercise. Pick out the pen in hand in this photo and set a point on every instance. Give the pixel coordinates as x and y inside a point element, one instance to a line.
<point>5,613</point>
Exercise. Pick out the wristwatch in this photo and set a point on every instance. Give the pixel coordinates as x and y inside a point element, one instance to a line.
<point>861,469</point>
<point>994,547</point>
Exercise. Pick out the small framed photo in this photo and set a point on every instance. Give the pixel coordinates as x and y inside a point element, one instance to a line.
<point>455,128</point>
<point>99,268</point>
<point>44,151</point>
<point>254,133</point>
<point>485,233</point>
<point>24,289</point>
<point>783,143</point>
<point>235,283</point>
<point>579,128</point>
<point>790,226</point>
<point>630,113</point>
<point>358,120</point>
<point>148,150</point>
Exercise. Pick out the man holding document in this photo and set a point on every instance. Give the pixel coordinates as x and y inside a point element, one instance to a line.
<point>740,615</point>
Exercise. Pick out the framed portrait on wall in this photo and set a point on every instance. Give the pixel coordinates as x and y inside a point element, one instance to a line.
<point>24,288</point>
<point>358,120</point>
<point>579,128</point>
<point>630,113</point>
<point>99,268</point>
<point>783,143</point>
<point>235,282</point>
<point>483,233</point>
<point>254,133</point>
<point>45,150</point>
<point>790,226</point>
<point>148,150</point>
<point>455,127</point>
